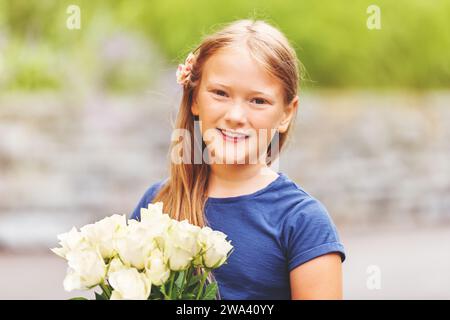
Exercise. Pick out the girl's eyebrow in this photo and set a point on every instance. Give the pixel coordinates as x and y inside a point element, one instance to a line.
<point>251,91</point>
<point>218,84</point>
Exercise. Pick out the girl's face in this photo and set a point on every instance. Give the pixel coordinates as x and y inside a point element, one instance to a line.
<point>240,107</point>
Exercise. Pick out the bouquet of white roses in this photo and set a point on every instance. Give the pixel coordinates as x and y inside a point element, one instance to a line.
<point>156,258</point>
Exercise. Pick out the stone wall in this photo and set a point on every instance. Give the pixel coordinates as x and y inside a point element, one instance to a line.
<point>65,159</point>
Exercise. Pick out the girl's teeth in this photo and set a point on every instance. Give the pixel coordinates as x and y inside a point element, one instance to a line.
<point>233,135</point>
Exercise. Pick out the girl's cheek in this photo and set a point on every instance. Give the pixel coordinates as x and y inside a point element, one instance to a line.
<point>261,120</point>
<point>208,102</point>
<point>214,110</point>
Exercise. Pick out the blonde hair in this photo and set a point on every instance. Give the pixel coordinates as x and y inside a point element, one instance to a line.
<point>185,192</point>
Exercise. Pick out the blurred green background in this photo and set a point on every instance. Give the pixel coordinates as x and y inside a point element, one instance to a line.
<point>85,126</point>
<point>410,51</point>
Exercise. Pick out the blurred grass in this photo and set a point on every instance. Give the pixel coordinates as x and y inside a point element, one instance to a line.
<point>38,52</point>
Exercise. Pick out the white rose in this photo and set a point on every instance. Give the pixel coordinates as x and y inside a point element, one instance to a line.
<point>69,241</point>
<point>157,221</point>
<point>153,209</point>
<point>215,248</point>
<point>73,281</point>
<point>156,269</point>
<point>184,236</point>
<point>180,245</point>
<point>129,284</point>
<point>116,265</point>
<point>177,259</point>
<point>135,245</point>
<point>105,232</point>
<point>86,269</point>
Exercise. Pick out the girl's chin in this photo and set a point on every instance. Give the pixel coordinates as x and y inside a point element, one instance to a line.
<point>230,162</point>
<point>239,159</point>
<point>233,154</point>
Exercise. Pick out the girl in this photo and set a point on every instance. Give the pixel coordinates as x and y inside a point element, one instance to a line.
<point>240,96</point>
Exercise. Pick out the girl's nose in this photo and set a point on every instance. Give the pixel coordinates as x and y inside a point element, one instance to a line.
<point>236,113</point>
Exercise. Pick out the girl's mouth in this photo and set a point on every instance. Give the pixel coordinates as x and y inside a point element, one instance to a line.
<point>232,137</point>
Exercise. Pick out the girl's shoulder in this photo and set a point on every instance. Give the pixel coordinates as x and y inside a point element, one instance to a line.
<point>298,205</point>
<point>154,188</point>
<point>289,191</point>
<point>293,187</point>
<point>307,229</point>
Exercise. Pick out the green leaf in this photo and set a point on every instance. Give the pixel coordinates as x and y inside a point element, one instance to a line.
<point>155,296</point>
<point>210,292</point>
<point>179,281</point>
<point>178,292</point>
<point>194,280</point>
<point>79,298</point>
<point>155,293</point>
<point>100,296</point>
<point>163,290</point>
<point>106,290</point>
<point>188,296</point>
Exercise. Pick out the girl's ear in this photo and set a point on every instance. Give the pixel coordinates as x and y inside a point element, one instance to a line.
<point>288,114</point>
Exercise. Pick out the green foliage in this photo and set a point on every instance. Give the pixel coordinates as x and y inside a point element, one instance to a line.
<point>210,292</point>
<point>100,296</point>
<point>330,36</point>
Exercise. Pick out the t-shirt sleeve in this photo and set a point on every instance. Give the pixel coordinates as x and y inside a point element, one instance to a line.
<point>309,232</point>
<point>146,199</point>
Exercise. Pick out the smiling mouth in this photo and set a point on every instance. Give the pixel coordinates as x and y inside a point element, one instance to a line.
<point>231,136</point>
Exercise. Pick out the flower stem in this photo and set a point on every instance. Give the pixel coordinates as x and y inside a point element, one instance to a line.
<point>200,290</point>
<point>106,290</point>
<point>183,284</point>
<point>172,279</point>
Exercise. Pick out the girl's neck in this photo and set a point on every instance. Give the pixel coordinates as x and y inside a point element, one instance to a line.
<point>234,180</point>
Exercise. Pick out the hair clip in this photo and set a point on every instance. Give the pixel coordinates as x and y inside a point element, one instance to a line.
<point>184,70</point>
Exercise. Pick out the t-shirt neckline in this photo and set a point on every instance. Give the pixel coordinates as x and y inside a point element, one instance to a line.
<point>250,195</point>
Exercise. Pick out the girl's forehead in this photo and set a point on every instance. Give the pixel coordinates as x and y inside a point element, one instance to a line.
<point>236,67</point>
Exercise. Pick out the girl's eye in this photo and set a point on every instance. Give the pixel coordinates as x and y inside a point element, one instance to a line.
<point>261,101</point>
<point>220,93</point>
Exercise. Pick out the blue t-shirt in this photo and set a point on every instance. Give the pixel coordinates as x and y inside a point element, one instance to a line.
<point>272,230</point>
